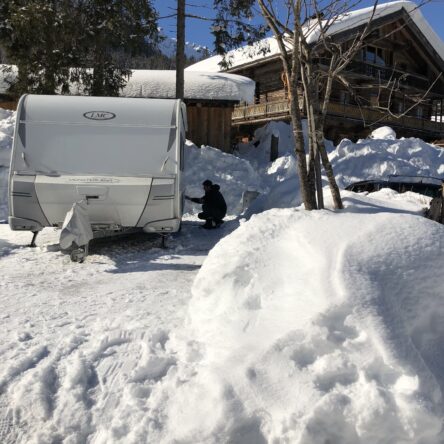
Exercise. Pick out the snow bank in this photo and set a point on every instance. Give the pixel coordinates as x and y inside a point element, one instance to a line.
<point>7,122</point>
<point>233,174</point>
<point>303,335</point>
<point>384,132</point>
<point>380,158</point>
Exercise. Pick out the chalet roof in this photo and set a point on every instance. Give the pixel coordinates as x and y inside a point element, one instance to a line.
<point>350,20</point>
<point>162,84</point>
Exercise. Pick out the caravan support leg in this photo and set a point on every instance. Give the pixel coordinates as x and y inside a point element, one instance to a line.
<point>34,237</point>
<point>163,244</point>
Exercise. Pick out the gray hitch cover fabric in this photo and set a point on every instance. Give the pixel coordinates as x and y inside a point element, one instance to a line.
<point>76,227</point>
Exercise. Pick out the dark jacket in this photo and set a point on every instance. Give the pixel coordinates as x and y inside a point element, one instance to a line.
<point>213,203</point>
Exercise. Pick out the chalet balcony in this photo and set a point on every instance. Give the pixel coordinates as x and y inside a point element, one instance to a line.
<point>264,112</point>
<point>381,75</point>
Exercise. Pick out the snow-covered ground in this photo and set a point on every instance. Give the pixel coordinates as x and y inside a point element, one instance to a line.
<point>281,326</point>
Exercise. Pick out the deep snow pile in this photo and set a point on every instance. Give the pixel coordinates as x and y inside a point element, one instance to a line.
<point>234,175</point>
<point>304,335</point>
<point>377,157</point>
<point>7,121</point>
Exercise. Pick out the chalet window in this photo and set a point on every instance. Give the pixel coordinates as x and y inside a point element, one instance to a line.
<point>257,93</point>
<point>344,97</point>
<point>371,54</point>
<point>419,112</point>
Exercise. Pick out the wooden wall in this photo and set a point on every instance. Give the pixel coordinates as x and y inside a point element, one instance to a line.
<point>8,104</point>
<point>210,125</point>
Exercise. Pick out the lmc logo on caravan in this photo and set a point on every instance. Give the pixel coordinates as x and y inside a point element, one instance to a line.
<point>99,115</point>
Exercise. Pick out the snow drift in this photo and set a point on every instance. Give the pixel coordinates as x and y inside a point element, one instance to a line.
<point>233,174</point>
<point>303,335</point>
<point>379,158</point>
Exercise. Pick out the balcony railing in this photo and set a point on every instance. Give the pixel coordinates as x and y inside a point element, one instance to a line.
<point>279,110</point>
<point>383,74</point>
<point>370,115</point>
<point>261,111</point>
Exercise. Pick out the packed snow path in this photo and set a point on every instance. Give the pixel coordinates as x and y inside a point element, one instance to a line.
<point>75,337</point>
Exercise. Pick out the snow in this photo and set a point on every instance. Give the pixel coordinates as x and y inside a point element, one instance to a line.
<point>233,174</point>
<point>283,330</point>
<point>374,159</point>
<point>281,326</point>
<point>198,85</point>
<point>265,48</point>
<point>161,84</point>
<point>377,157</point>
<point>346,21</point>
<point>304,337</point>
<point>7,122</point>
<point>384,132</point>
<point>167,46</point>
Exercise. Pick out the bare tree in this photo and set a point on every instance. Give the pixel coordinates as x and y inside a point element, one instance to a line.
<point>305,42</point>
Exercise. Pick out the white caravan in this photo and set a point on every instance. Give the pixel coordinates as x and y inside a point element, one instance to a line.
<point>122,156</point>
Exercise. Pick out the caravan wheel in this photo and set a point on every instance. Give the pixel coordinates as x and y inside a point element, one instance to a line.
<point>78,255</point>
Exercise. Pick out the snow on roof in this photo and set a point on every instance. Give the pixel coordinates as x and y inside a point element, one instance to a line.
<point>161,84</point>
<point>352,19</point>
<point>198,85</point>
<point>8,74</point>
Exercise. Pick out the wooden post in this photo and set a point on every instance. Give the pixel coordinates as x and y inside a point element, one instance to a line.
<point>180,50</point>
<point>203,125</point>
<point>227,130</point>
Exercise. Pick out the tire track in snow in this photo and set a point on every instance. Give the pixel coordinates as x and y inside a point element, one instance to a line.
<point>6,421</point>
<point>22,365</point>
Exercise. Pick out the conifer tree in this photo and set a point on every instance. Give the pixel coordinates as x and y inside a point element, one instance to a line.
<point>113,29</point>
<point>55,42</point>
<point>37,37</point>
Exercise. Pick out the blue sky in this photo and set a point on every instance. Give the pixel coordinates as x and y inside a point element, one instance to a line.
<point>197,31</point>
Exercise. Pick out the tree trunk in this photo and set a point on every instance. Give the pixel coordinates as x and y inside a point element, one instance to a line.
<point>334,189</point>
<point>314,173</point>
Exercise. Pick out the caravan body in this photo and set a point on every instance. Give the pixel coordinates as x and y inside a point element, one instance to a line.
<point>123,156</point>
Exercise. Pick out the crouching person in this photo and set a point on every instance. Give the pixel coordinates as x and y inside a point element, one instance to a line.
<point>213,203</point>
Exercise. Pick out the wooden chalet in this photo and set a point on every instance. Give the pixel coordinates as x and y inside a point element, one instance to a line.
<point>401,47</point>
